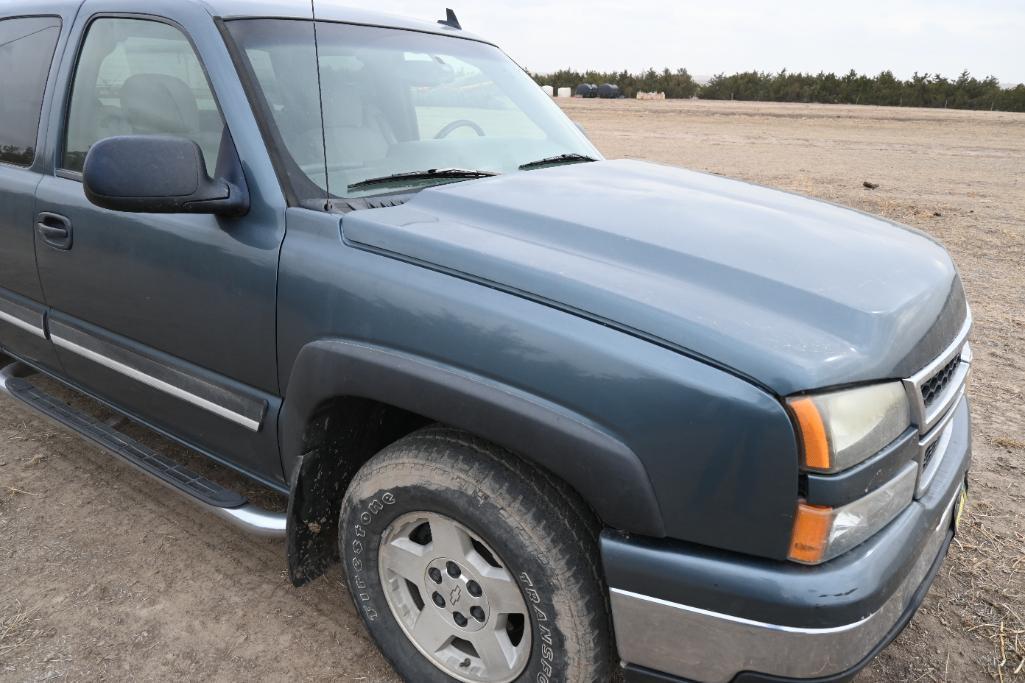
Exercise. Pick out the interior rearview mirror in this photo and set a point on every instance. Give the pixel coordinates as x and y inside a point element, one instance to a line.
<point>158,174</point>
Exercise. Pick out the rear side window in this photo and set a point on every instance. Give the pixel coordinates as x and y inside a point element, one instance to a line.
<point>26,51</point>
<point>139,77</point>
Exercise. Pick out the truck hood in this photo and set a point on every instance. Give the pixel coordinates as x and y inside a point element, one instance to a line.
<point>792,293</point>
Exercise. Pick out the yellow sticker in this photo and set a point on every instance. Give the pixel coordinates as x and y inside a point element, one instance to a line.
<point>959,511</point>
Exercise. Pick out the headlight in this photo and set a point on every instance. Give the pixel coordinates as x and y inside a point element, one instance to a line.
<point>822,533</point>
<point>843,428</point>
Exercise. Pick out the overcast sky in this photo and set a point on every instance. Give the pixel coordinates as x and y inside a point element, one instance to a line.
<point>711,36</point>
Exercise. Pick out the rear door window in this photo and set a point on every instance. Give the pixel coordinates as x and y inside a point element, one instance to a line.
<point>26,52</point>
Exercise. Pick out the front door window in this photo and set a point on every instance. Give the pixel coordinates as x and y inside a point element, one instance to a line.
<point>138,77</point>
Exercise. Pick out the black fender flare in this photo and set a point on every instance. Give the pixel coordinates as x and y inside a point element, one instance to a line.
<point>589,458</point>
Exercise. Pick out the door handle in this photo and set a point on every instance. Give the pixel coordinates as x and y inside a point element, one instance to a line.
<point>54,229</point>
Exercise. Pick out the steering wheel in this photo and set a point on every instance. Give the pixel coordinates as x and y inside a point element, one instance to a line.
<point>455,125</point>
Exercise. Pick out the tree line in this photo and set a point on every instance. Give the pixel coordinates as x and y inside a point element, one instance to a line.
<point>885,89</point>
<point>675,84</point>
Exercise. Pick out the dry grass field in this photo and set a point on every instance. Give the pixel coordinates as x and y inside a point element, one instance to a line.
<point>106,576</point>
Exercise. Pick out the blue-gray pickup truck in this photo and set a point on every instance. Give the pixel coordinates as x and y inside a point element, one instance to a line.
<point>560,418</point>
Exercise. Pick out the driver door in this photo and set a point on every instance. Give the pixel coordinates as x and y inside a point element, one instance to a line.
<point>171,318</point>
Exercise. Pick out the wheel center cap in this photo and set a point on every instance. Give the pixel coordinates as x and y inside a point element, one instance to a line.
<point>457,594</point>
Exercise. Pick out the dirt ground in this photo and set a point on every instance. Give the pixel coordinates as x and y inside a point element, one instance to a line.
<point>105,575</point>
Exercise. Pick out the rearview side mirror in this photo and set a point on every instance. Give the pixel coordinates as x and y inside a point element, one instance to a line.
<point>157,174</point>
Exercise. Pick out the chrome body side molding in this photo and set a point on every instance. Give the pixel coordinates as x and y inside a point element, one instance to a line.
<point>221,401</point>
<point>234,508</point>
<point>22,317</point>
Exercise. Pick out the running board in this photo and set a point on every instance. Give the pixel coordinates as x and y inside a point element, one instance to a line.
<point>213,497</point>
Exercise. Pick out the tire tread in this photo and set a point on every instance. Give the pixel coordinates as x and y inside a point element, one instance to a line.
<point>529,495</point>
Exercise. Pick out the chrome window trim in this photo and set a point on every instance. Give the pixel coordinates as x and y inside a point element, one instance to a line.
<point>156,383</point>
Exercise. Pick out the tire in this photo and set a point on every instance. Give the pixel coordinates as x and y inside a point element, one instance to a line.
<point>526,556</point>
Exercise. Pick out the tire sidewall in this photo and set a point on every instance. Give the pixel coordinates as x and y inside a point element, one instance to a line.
<point>365,517</point>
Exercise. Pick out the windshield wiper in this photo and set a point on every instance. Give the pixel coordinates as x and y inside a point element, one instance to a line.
<point>430,174</point>
<point>558,159</point>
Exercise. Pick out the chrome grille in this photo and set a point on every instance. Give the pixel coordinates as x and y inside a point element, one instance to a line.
<point>929,453</point>
<point>934,394</point>
<point>932,389</point>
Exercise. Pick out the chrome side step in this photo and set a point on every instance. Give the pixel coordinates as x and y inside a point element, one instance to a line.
<point>213,497</point>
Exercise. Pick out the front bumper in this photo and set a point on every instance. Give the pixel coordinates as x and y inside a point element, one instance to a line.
<point>686,613</point>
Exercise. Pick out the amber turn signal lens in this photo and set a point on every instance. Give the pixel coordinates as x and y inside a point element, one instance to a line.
<point>811,533</point>
<point>814,442</point>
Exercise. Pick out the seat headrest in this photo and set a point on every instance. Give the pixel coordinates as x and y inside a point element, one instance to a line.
<point>159,104</point>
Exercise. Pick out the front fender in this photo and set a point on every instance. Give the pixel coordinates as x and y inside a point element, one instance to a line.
<point>573,448</point>
<point>658,443</point>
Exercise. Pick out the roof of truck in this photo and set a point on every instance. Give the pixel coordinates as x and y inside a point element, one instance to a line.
<point>329,10</point>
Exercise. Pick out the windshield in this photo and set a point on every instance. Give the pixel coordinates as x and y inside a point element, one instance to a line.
<point>397,103</point>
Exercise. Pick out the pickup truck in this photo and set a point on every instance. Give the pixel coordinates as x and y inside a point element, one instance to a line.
<point>560,418</point>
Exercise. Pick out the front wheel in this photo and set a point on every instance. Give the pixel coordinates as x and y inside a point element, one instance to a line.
<point>467,564</point>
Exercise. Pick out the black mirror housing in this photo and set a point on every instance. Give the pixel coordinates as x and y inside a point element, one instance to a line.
<point>158,174</point>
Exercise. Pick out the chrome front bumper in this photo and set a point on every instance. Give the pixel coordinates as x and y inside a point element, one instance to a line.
<point>712,646</point>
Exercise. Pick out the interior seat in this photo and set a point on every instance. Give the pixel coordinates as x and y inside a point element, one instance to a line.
<point>353,136</point>
<point>157,104</point>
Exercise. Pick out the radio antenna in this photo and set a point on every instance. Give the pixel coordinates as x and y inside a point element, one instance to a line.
<point>451,20</point>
